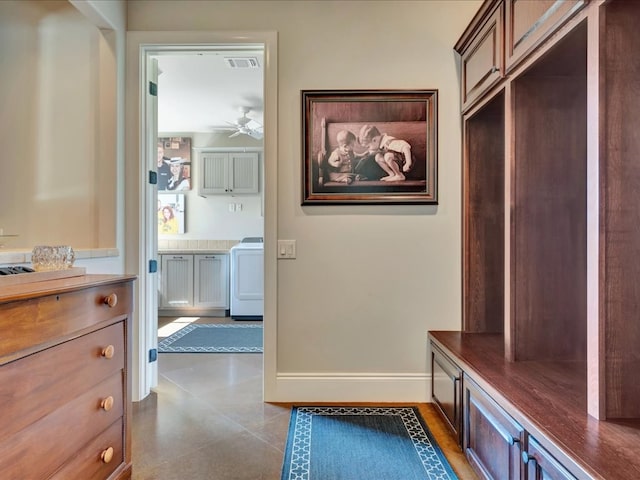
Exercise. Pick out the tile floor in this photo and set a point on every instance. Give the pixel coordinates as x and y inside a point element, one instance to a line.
<point>206,421</point>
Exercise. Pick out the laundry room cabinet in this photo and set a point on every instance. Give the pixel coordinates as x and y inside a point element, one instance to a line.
<point>228,172</point>
<point>194,283</point>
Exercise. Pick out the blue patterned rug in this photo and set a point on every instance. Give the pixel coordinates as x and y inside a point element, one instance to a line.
<point>357,443</point>
<point>214,338</point>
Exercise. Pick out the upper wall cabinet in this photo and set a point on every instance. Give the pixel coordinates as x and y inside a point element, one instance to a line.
<point>529,23</point>
<point>228,172</point>
<point>482,50</point>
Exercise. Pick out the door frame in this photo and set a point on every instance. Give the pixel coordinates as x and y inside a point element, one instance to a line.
<point>138,250</point>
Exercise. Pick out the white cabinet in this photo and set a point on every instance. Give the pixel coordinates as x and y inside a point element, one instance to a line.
<point>228,172</point>
<point>176,281</point>
<point>211,278</point>
<point>194,282</point>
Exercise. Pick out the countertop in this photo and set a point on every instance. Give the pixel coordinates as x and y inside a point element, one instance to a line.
<point>194,251</point>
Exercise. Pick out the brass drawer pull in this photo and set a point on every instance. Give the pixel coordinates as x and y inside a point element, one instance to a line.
<point>108,351</point>
<point>111,300</point>
<point>107,403</point>
<point>107,455</point>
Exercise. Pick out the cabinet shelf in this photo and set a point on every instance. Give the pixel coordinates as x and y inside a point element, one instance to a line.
<point>551,246</point>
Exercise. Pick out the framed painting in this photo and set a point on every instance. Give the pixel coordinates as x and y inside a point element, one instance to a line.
<point>174,164</point>
<point>369,147</point>
<point>171,209</point>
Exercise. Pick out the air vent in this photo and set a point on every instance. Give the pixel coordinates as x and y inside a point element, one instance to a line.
<point>242,62</point>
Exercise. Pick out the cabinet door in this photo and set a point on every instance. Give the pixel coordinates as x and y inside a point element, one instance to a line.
<point>214,175</point>
<point>243,171</point>
<point>483,58</point>
<point>445,389</point>
<point>529,23</point>
<point>492,438</point>
<point>177,281</point>
<point>211,287</point>
<point>229,172</point>
<point>541,465</point>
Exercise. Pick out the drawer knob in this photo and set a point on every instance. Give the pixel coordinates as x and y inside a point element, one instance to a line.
<point>107,455</point>
<point>108,351</point>
<point>111,300</point>
<point>107,403</point>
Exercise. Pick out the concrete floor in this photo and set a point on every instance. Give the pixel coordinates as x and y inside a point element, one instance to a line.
<point>206,420</point>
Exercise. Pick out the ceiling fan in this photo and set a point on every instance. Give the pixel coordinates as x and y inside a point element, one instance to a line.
<point>245,126</point>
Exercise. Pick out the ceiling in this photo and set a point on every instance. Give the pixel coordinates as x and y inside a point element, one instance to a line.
<point>201,92</point>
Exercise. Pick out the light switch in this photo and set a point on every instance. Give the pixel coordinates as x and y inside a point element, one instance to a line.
<point>286,249</point>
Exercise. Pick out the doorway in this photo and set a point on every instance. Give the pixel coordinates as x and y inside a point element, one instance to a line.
<point>148,282</point>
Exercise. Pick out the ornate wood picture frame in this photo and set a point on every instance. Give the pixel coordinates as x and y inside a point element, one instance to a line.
<point>369,147</point>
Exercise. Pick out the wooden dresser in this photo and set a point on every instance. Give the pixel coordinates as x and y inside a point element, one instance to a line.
<point>64,378</point>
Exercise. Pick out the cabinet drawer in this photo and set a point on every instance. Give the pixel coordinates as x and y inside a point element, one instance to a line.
<point>29,323</point>
<point>483,59</point>
<point>529,23</point>
<point>445,389</point>
<point>43,447</point>
<point>36,385</point>
<point>541,465</point>
<point>492,438</point>
<point>94,460</point>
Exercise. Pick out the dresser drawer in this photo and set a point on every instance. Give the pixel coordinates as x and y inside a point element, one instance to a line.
<point>43,447</point>
<point>95,460</point>
<point>27,324</point>
<point>35,386</point>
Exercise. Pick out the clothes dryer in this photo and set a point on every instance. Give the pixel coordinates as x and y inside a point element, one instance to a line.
<point>247,279</point>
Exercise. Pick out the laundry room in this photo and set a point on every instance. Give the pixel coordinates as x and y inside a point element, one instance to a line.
<point>210,182</point>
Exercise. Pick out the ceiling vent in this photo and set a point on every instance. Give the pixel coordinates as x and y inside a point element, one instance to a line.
<point>242,62</point>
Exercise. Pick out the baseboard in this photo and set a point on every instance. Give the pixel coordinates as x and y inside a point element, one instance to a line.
<point>383,388</point>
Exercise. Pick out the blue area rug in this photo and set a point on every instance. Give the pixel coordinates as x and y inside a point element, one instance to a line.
<point>214,338</point>
<point>357,443</point>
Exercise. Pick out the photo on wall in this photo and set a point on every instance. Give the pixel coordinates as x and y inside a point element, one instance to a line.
<point>171,208</point>
<point>174,163</point>
<point>369,147</point>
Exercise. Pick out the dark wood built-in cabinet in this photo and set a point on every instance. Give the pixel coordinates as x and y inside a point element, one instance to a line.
<point>65,397</point>
<point>548,350</point>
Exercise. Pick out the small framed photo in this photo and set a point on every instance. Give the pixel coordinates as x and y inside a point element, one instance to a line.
<point>171,210</point>
<point>174,164</point>
<point>369,147</point>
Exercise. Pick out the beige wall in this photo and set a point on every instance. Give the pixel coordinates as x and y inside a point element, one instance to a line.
<point>368,281</point>
<point>58,127</point>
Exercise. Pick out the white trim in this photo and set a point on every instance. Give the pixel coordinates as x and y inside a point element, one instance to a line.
<point>359,387</point>
<point>137,44</point>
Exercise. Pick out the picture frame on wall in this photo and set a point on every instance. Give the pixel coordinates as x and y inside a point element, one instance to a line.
<point>171,213</point>
<point>369,147</point>
<point>174,164</point>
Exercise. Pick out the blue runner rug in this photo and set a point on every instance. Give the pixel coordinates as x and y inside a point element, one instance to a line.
<point>214,338</point>
<point>357,443</point>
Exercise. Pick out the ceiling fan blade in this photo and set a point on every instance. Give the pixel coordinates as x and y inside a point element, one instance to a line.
<point>235,134</point>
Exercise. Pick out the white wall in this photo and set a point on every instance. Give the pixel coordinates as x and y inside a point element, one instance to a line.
<point>209,218</point>
<point>354,308</point>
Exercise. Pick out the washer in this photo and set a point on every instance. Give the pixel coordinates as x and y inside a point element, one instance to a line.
<point>247,279</point>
